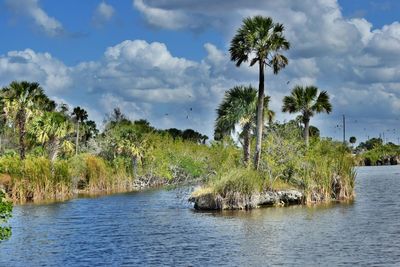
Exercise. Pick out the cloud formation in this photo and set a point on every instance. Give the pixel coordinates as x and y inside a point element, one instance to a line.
<point>103,14</point>
<point>357,64</point>
<point>31,9</point>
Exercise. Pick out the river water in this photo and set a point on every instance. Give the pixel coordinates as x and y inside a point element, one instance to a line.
<point>160,228</point>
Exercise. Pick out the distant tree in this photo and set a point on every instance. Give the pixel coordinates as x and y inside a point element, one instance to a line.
<point>143,126</point>
<point>307,101</point>
<point>371,143</point>
<point>80,115</point>
<point>204,138</point>
<point>89,130</point>
<point>314,131</point>
<point>64,109</point>
<point>124,139</point>
<point>192,135</point>
<point>21,101</point>
<point>175,133</point>
<point>353,140</point>
<point>260,40</point>
<point>51,129</point>
<point>117,115</point>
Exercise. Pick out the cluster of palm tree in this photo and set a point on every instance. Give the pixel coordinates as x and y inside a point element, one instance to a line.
<point>260,41</point>
<point>26,109</point>
<point>239,106</point>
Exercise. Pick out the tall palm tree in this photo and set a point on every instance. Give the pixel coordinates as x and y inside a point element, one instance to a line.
<point>260,40</point>
<point>80,115</point>
<point>50,129</point>
<point>308,101</point>
<point>239,107</point>
<point>22,100</point>
<point>89,131</point>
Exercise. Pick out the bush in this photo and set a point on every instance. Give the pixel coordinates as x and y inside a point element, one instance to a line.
<point>241,180</point>
<point>5,214</point>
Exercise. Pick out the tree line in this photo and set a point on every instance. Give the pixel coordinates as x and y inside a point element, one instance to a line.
<point>29,120</point>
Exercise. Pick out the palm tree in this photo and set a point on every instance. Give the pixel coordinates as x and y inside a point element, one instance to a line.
<point>22,100</point>
<point>80,115</point>
<point>260,40</point>
<point>353,140</point>
<point>307,101</point>
<point>239,107</point>
<point>50,129</point>
<point>89,131</point>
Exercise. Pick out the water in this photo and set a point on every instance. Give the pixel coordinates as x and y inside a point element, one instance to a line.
<point>160,228</point>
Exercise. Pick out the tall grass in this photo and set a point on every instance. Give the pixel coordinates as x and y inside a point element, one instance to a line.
<point>166,160</point>
<point>324,171</point>
<point>35,179</point>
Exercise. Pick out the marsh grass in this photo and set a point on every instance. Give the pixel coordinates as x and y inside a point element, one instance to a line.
<point>324,171</point>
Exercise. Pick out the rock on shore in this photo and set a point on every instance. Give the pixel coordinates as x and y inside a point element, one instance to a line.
<point>236,200</point>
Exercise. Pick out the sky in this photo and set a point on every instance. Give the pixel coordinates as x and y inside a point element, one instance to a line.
<point>168,60</point>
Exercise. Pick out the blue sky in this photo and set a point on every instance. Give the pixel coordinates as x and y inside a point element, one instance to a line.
<point>167,61</point>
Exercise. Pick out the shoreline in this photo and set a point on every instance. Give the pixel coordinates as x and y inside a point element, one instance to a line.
<point>279,198</point>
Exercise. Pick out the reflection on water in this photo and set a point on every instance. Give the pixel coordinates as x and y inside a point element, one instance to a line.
<point>161,228</point>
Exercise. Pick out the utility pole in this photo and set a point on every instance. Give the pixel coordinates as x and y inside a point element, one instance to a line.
<point>344,129</point>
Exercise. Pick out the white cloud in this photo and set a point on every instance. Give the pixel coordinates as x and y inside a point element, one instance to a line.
<point>29,65</point>
<point>172,20</point>
<point>357,65</point>
<point>31,8</point>
<point>103,14</point>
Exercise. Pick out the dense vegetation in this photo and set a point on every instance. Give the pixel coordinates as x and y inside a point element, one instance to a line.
<point>324,169</point>
<point>48,151</point>
<point>375,152</point>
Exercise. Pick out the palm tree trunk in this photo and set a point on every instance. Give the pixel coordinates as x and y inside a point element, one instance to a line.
<point>77,139</point>
<point>246,143</point>
<point>134,166</point>
<point>307,130</point>
<point>260,111</point>
<point>22,132</point>
<point>54,147</point>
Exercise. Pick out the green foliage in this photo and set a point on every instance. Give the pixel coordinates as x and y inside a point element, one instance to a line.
<point>353,140</point>
<point>5,214</point>
<point>307,101</point>
<point>325,168</point>
<point>241,180</point>
<point>371,144</point>
<point>379,153</point>
<point>374,152</point>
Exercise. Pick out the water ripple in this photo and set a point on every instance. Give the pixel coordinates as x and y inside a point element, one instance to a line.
<point>160,228</point>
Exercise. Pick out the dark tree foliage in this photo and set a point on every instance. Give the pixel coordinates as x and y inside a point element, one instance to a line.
<point>353,140</point>
<point>371,143</point>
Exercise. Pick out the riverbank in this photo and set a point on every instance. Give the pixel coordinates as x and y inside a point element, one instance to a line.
<point>319,172</point>
<point>37,179</point>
